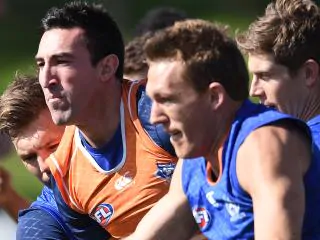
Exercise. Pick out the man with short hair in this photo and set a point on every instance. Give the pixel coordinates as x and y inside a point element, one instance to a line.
<point>112,163</point>
<point>285,67</point>
<point>257,168</point>
<point>283,56</point>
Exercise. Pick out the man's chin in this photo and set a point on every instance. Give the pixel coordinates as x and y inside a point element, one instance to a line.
<point>59,121</point>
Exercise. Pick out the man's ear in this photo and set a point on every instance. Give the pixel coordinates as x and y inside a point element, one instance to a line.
<point>108,66</point>
<point>311,72</point>
<point>216,94</point>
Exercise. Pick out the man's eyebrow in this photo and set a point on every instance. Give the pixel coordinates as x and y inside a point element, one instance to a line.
<point>58,55</point>
<point>27,156</point>
<point>50,143</point>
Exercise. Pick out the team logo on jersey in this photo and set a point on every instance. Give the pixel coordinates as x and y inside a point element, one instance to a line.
<point>102,214</point>
<point>202,217</point>
<point>165,170</point>
<point>123,182</point>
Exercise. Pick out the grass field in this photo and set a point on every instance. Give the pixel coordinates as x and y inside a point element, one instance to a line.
<point>26,184</point>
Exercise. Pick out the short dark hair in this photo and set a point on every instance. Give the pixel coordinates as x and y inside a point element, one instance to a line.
<point>208,53</point>
<point>102,34</point>
<point>159,18</point>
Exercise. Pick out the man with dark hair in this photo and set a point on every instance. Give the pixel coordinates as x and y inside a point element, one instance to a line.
<point>258,165</point>
<point>111,163</point>
<point>159,18</point>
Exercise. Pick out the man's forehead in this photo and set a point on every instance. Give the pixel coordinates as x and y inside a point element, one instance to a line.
<point>35,143</point>
<point>163,74</point>
<point>58,41</point>
<point>261,62</point>
<point>166,69</point>
<point>23,146</point>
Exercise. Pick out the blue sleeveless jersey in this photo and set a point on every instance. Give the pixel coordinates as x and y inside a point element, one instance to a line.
<point>224,210</point>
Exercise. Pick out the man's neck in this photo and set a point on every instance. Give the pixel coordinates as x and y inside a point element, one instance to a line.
<point>103,120</point>
<point>223,127</point>
<point>311,108</point>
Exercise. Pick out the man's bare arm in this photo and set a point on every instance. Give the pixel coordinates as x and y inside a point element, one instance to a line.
<point>170,218</point>
<point>271,164</point>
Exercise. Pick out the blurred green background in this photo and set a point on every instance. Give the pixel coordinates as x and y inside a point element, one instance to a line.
<point>20,21</point>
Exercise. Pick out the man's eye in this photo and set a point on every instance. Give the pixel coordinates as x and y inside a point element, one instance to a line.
<point>54,147</point>
<point>62,61</point>
<point>165,100</point>
<point>264,76</point>
<point>30,159</point>
<point>40,64</point>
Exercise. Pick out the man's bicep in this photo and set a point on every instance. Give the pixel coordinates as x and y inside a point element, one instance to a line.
<point>271,165</point>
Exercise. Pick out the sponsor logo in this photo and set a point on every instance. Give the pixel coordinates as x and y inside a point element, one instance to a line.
<point>123,182</point>
<point>165,170</point>
<point>102,214</point>
<point>202,217</point>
